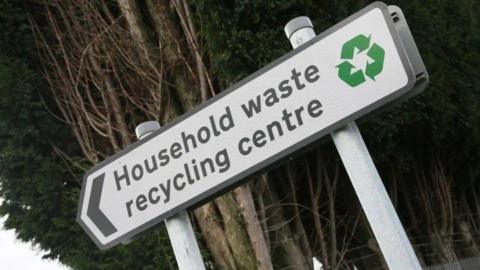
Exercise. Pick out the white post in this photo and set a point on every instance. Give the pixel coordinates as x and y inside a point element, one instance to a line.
<point>384,221</point>
<point>180,231</point>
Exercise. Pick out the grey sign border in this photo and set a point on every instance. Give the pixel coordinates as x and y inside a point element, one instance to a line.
<point>265,163</point>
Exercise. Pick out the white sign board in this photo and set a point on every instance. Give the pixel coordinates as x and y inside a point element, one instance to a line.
<point>349,70</point>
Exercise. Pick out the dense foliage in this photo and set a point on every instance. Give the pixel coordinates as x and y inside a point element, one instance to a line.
<point>427,149</point>
<point>437,130</point>
<point>40,189</point>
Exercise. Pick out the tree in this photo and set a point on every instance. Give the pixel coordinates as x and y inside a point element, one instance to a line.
<point>41,169</point>
<point>78,70</point>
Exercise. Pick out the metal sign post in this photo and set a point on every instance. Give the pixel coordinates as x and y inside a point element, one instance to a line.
<point>179,228</point>
<point>384,221</point>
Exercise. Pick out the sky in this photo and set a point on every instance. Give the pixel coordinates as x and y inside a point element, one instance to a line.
<point>16,255</point>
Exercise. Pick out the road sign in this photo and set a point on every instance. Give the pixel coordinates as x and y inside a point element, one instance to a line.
<point>351,69</point>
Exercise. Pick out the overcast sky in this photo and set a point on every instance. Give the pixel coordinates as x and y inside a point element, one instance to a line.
<point>16,255</point>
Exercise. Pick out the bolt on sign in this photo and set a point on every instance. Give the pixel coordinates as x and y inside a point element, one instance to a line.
<point>352,69</point>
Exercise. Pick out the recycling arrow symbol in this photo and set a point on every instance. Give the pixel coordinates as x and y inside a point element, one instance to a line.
<point>360,44</point>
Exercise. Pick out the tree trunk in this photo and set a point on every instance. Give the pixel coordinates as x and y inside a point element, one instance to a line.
<point>235,232</point>
<point>294,255</point>
<point>214,236</point>
<point>244,197</point>
<point>240,242</point>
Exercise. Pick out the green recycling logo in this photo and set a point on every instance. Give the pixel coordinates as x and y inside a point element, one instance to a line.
<point>359,44</point>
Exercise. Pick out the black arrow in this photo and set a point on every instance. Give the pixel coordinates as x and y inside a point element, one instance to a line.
<point>94,212</point>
